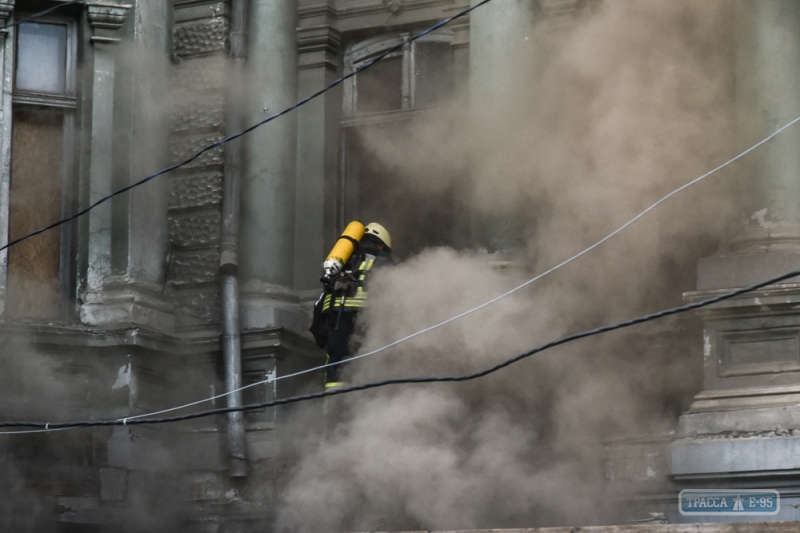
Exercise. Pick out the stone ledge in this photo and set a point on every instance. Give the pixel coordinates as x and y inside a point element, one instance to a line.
<point>741,270</point>
<point>125,301</point>
<point>729,456</point>
<point>741,527</point>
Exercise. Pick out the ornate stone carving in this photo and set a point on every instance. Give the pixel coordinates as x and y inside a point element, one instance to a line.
<point>6,8</point>
<point>198,76</point>
<point>318,46</point>
<point>201,38</point>
<point>183,147</point>
<point>198,189</point>
<point>197,229</point>
<point>194,268</point>
<point>197,306</point>
<point>207,114</point>
<point>106,19</point>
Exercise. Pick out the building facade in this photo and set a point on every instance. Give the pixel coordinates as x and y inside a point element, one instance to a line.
<point>118,312</point>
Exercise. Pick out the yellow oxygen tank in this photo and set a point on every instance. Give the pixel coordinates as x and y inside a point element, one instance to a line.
<point>343,249</point>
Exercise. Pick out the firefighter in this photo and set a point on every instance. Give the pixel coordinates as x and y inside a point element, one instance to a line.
<point>345,294</point>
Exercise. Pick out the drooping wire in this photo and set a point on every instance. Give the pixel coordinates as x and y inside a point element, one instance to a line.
<point>414,380</point>
<point>40,14</point>
<point>493,300</point>
<point>305,100</point>
<point>235,136</point>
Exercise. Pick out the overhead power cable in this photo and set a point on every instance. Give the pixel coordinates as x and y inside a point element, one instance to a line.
<point>493,300</point>
<point>435,326</point>
<point>40,14</point>
<point>257,125</point>
<point>413,380</point>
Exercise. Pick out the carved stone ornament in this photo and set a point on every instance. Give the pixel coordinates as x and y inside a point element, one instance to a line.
<point>6,8</point>
<point>106,19</point>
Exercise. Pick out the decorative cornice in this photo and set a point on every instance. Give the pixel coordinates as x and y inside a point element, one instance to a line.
<point>318,46</point>
<point>319,38</point>
<point>48,100</point>
<point>460,30</point>
<point>6,8</point>
<point>366,8</point>
<point>380,6</point>
<point>316,10</point>
<point>106,19</point>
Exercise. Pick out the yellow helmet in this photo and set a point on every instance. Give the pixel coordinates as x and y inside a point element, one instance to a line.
<point>373,228</point>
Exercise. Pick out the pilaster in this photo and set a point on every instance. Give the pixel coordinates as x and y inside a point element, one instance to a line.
<point>319,63</point>
<point>105,21</point>
<point>6,72</point>
<point>114,297</point>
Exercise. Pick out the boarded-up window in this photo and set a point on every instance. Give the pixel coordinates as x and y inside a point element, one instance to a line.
<point>36,173</point>
<point>43,104</point>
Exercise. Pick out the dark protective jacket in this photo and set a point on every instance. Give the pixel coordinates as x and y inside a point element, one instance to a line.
<point>349,290</point>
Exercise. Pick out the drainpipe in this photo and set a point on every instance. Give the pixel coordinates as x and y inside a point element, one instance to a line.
<point>229,261</point>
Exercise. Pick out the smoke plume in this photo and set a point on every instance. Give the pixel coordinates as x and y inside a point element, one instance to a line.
<point>632,101</point>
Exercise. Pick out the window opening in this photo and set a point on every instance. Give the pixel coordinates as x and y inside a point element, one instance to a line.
<point>42,173</point>
<point>381,106</point>
<point>41,57</point>
<point>380,87</point>
<point>420,74</point>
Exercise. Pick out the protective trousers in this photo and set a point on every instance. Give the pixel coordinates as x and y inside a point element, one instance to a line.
<point>338,346</point>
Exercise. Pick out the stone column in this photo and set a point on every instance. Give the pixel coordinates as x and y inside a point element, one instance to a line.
<point>268,189</point>
<point>751,344</point>
<point>7,72</point>
<point>500,50</point>
<point>500,36</point>
<point>319,64</point>
<point>768,96</point>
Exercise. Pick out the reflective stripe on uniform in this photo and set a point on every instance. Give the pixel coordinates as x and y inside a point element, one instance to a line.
<point>358,300</point>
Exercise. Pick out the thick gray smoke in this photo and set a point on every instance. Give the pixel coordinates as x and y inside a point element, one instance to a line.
<point>633,101</point>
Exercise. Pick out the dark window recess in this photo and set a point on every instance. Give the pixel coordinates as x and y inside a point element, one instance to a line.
<point>379,88</point>
<point>433,73</point>
<point>257,394</point>
<point>417,217</point>
<point>36,181</point>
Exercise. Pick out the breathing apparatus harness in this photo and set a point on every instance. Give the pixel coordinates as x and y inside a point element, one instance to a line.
<point>344,284</point>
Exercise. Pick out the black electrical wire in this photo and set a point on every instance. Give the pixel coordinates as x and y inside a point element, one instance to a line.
<point>249,129</point>
<point>40,14</point>
<point>400,381</point>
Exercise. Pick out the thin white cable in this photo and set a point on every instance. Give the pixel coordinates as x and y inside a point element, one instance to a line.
<point>563,263</point>
<point>505,294</point>
<point>23,431</point>
<point>481,306</point>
